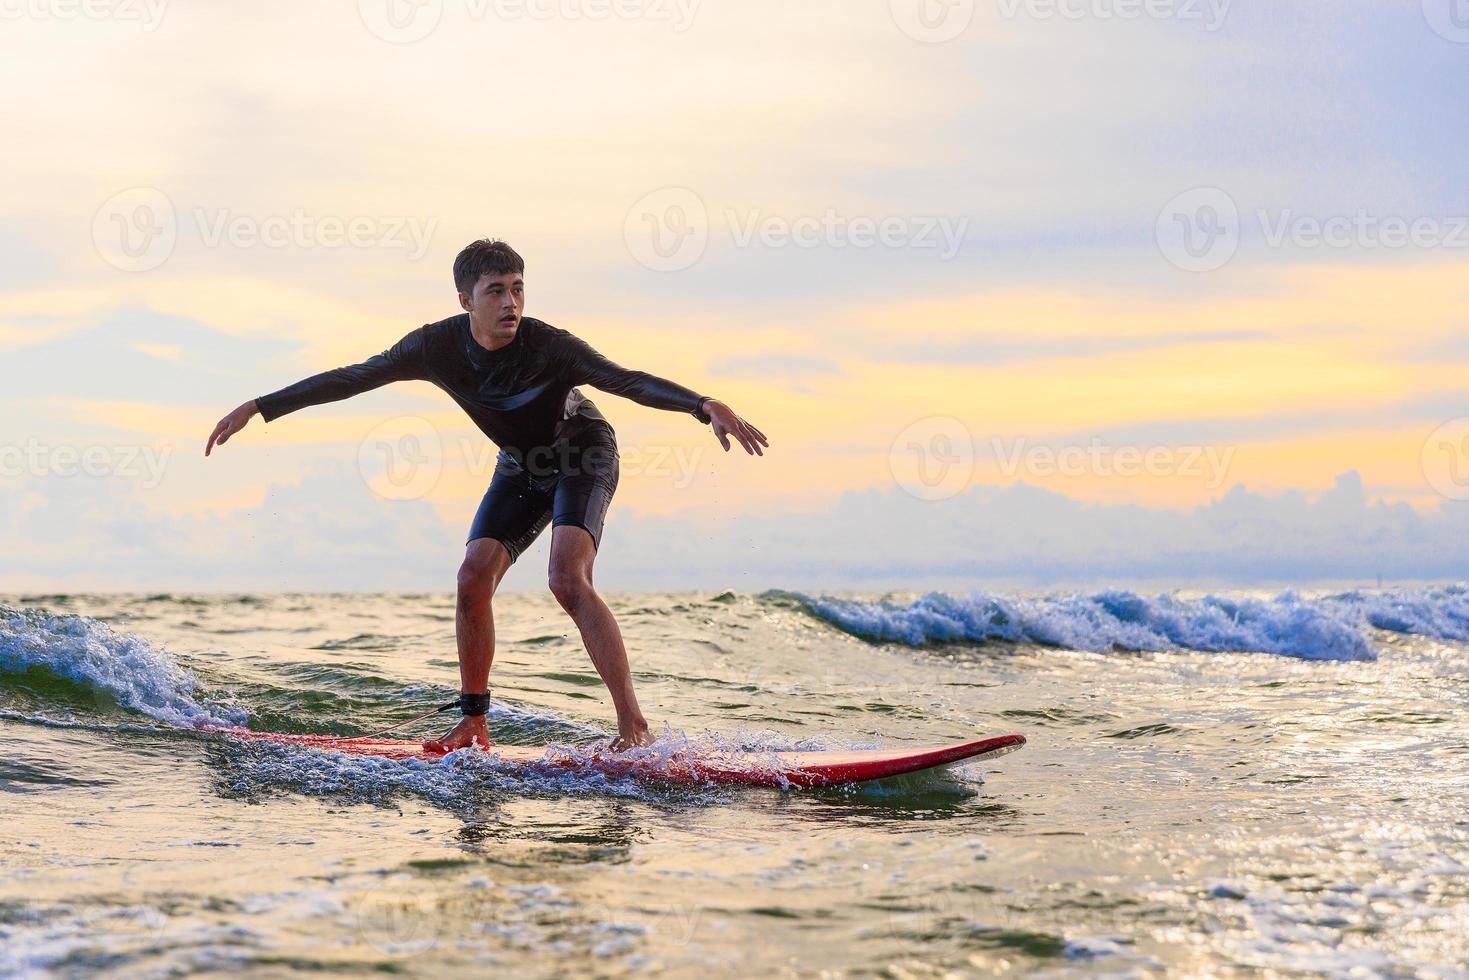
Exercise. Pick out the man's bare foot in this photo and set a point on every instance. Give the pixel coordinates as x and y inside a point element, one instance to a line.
<point>470,730</point>
<point>632,735</point>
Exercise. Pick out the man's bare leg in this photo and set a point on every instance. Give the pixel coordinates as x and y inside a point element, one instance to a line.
<point>485,563</point>
<point>572,555</point>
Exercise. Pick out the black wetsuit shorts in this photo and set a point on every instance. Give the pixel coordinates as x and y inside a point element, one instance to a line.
<point>570,482</point>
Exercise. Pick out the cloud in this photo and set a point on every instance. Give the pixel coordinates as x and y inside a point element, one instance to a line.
<point>1022,349</point>
<point>1057,318</point>
<point>136,354</point>
<point>327,533</point>
<point>324,532</point>
<point>767,365</point>
<point>1025,536</point>
<point>790,369</point>
<point>1053,135</point>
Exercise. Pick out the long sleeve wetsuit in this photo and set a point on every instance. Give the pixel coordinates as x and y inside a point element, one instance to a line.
<point>523,396</point>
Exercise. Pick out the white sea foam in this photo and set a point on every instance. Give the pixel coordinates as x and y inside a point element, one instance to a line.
<point>125,666</point>
<point>453,781</point>
<point>1274,927</point>
<point>1441,613</point>
<point>1330,628</point>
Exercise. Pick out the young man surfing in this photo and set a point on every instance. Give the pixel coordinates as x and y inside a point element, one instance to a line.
<point>516,378</point>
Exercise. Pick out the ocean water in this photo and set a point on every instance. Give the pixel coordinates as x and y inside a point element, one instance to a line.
<point>1214,785</point>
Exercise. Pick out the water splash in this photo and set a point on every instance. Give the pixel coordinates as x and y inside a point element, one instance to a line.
<point>124,666</point>
<point>464,781</point>
<point>1288,625</point>
<point>1441,613</point>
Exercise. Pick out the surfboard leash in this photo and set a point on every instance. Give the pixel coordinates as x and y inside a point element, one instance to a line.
<point>469,705</point>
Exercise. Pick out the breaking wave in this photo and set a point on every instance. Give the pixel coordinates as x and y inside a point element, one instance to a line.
<point>123,666</point>
<point>1336,627</point>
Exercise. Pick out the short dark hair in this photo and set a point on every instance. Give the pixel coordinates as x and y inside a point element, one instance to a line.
<point>486,257</point>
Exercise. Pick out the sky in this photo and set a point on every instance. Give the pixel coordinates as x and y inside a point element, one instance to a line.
<point>1039,293</point>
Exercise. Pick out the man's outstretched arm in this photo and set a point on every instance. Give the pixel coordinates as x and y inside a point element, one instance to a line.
<point>402,362</point>
<point>586,366</point>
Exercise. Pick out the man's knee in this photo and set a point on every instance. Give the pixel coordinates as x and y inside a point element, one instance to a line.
<point>480,574</point>
<point>571,586</point>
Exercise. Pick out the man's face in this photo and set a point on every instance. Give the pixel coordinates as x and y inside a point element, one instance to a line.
<point>497,301</point>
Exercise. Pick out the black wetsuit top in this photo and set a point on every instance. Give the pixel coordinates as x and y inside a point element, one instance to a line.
<point>523,396</point>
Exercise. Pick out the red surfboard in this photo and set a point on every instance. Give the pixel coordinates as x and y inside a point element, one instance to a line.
<point>784,769</point>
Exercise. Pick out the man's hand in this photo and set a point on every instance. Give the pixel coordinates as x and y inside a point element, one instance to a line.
<point>230,424</point>
<point>726,423</point>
